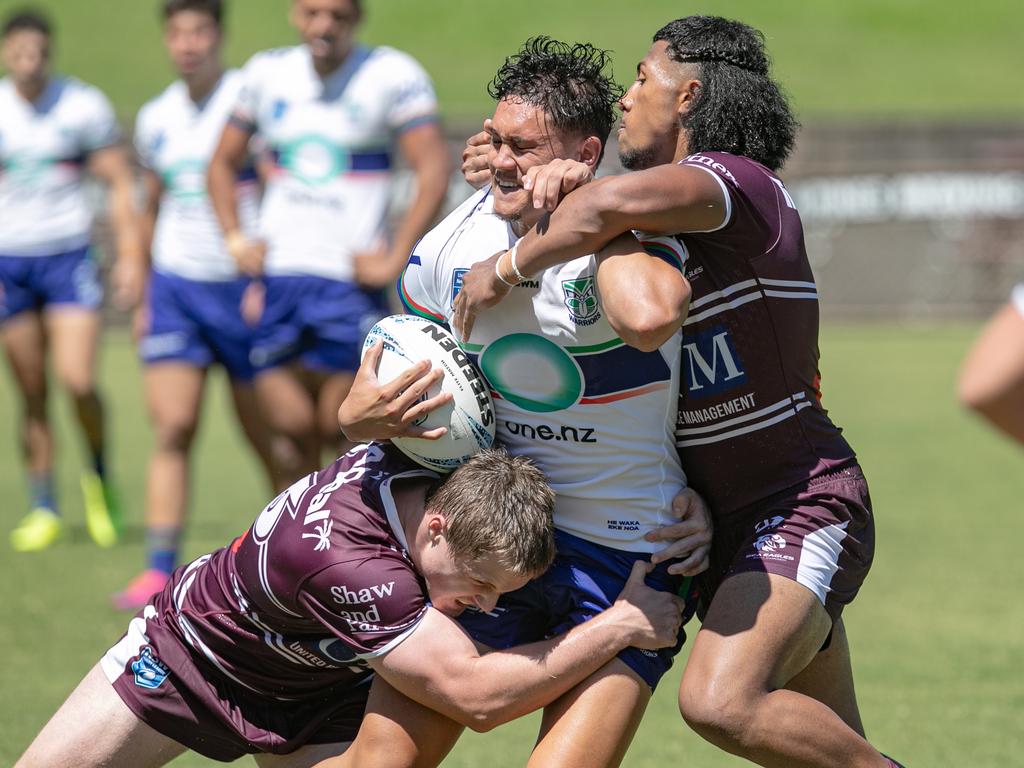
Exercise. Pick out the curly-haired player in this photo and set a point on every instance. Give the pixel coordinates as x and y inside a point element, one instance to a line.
<point>587,386</point>
<point>706,128</point>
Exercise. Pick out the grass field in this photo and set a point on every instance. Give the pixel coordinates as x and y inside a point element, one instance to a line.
<point>937,633</point>
<point>907,58</point>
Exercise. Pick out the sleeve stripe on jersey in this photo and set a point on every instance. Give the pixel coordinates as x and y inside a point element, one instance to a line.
<point>415,122</point>
<point>411,306</point>
<point>664,252</point>
<point>726,194</point>
<point>242,123</point>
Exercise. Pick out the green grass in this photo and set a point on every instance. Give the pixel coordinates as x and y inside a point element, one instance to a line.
<point>906,58</point>
<point>937,632</point>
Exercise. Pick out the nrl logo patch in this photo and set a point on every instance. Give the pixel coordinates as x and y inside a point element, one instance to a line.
<point>581,299</point>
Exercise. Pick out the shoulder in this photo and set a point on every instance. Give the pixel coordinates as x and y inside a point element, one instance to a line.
<point>475,206</point>
<point>734,170</point>
<point>83,97</point>
<point>394,60</point>
<point>156,106</point>
<point>262,63</point>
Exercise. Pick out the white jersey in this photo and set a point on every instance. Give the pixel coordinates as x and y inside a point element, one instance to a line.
<point>175,138</point>
<point>43,150</point>
<point>595,414</point>
<point>331,143</point>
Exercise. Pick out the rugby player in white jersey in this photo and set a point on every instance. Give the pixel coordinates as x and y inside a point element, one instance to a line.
<point>331,114</point>
<point>992,377</point>
<point>583,362</point>
<point>706,128</point>
<point>54,129</point>
<point>191,299</point>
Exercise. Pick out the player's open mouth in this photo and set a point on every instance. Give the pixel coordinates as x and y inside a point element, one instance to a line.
<point>508,186</point>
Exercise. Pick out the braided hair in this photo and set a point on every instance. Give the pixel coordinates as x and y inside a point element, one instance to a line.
<point>739,108</point>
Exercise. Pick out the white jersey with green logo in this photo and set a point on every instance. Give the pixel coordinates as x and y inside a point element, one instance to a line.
<point>596,415</point>
<point>330,145</point>
<point>175,138</point>
<point>44,147</point>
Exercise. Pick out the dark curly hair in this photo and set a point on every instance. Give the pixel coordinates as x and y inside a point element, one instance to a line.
<point>567,81</point>
<point>739,107</point>
<point>213,8</point>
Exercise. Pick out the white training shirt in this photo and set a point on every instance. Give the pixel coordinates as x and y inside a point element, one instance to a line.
<point>175,138</point>
<point>596,415</point>
<point>43,150</point>
<point>331,143</point>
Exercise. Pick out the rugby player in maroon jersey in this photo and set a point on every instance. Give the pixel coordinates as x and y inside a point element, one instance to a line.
<point>269,646</point>
<point>705,128</point>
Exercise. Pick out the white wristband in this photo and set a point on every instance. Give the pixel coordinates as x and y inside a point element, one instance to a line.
<point>515,268</point>
<point>497,271</point>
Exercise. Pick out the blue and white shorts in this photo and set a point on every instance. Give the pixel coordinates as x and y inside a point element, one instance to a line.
<point>318,322</point>
<point>197,322</point>
<point>584,580</point>
<point>34,283</point>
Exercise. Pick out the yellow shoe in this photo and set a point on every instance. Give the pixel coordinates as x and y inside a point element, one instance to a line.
<point>102,512</point>
<point>37,530</point>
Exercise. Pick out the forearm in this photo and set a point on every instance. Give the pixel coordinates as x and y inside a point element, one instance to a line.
<point>499,686</point>
<point>431,180</point>
<point>584,222</point>
<point>127,230</point>
<point>220,180</point>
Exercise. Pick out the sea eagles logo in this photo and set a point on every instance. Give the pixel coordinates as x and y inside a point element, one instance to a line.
<point>770,543</point>
<point>581,299</point>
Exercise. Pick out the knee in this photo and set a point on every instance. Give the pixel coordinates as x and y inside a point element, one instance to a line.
<point>79,385</point>
<point>174,433</point>
<point>718,712</point>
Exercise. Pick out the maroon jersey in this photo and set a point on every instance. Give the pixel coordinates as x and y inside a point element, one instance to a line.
<point>318,585</point>
<point>750,418</point>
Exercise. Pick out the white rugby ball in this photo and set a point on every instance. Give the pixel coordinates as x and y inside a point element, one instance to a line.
<point>469,416</point>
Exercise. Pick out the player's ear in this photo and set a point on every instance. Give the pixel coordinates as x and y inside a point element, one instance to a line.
<point>590,152</point>
<point>688,92</point>
<point>436,526</point>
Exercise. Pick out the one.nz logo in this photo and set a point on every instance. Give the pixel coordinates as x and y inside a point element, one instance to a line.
<point>149,671</point>
<point>581,299</point>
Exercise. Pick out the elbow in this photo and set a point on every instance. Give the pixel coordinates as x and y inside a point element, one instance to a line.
<point>648,327</point>
<point>480,713</point>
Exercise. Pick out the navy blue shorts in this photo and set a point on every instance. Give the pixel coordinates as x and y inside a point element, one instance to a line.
<point>584,580</point>
<point>318,322</point>
<point>36,282</point>
<point>197,322</point>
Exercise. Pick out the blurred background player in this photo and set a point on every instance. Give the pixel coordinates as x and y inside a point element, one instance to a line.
<point>992,376</point>
<point>52,130</point>
<point>330,113</point>
<point>705,128</point>
<point>191,300</point>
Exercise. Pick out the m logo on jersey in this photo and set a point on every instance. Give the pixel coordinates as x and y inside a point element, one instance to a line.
<point>710,363</point>
<point>457,275</point>
<point>581,299</point>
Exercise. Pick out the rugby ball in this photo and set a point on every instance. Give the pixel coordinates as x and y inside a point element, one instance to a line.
<point>469,416</point>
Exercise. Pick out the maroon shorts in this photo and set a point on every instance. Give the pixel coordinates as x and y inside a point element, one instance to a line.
<point>820,534</point>
<point>185,699</point>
